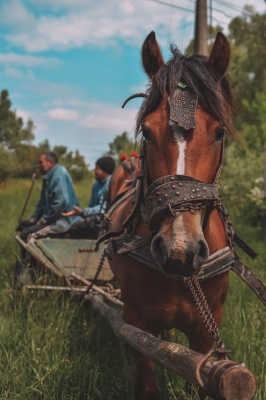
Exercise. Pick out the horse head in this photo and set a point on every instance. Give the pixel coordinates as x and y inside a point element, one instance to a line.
<point>183,119</point>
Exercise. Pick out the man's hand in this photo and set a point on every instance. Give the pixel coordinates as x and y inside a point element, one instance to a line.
<point>76,211</point>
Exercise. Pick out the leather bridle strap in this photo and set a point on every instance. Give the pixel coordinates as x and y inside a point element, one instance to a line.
<point>178,193</point>
<point>220,168</point>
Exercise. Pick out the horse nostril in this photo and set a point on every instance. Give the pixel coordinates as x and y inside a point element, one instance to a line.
<point>201,254</point>
<point>159,250</point>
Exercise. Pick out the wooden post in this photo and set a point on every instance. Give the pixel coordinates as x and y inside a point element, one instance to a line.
<point>221,379</point>
<point>201,28</point>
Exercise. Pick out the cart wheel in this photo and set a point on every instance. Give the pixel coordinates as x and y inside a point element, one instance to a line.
<point>22,275</point>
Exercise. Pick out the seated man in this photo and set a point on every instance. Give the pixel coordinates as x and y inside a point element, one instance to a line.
<point>89,225</point>
<point>57,196</point>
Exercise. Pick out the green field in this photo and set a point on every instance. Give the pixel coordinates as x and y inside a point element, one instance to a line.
<point>54,346</point>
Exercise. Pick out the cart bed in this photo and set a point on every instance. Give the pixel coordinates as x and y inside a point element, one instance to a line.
<point>65,256</point>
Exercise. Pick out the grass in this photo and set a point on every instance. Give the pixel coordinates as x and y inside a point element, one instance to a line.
<point>54,346</point>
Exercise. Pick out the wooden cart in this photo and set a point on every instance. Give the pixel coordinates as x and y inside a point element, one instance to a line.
<point>66,258</point>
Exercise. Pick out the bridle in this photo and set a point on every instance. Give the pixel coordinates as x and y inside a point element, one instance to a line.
<point>173,194</point>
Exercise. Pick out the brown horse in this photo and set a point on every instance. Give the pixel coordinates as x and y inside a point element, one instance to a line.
<point>175,206</point>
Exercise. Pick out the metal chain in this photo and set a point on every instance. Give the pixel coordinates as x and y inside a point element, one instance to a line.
<point>100,266</point>
<point>87,249</point>
<point>204,309</point>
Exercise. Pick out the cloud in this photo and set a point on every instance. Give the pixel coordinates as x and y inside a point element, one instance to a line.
<point>109,119</point>
<point>26,60</point>
<point>14,14</point>
<point>62,114</point>
<point>11,72</point>
<point>100,24</point>
<point>90,133</point>
<point>65,24</point>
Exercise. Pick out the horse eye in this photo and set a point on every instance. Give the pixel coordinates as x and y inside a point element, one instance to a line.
<point>145,133</point>
<point>220,133</point>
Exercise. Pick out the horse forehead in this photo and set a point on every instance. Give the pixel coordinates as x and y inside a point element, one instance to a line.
<point>177,131</point>
<point>158,116</point>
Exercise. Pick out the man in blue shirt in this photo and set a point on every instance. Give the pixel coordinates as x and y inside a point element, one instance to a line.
<point>88,226</point>
<point>57,196</point>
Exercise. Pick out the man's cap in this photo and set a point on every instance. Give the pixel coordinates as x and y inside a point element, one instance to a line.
<point>107,164</point>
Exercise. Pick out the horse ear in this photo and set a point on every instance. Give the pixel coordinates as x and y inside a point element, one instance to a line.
<point>220,55</point>
<point>152,59</point>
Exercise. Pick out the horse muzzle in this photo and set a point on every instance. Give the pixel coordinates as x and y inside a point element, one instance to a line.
<point>183,262</point>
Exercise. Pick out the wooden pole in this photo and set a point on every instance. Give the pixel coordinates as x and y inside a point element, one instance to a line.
<point>201,28</point>
<point>28,197</point>
<point>221,379</point>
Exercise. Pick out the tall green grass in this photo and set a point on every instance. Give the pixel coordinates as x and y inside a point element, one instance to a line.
<point>54,346</point>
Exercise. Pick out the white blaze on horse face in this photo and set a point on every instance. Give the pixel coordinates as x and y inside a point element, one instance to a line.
<point>182,144</point>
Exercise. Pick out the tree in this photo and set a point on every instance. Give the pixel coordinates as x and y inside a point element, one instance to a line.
<point>12,130</point>
<point>121,144</point>
<point>19,156</point>
<point>75,163</point>
<point>247,69</point>
<point>244,164</point>
<point>7,164</point>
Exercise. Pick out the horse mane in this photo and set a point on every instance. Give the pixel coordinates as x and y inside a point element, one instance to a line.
<point>213,95</point>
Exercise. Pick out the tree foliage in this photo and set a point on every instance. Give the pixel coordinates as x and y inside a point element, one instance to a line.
<point>121,144</point>
<point>12,129</point>
<point>243,176</point>
<point>247,72</point>
<point>18,154</point>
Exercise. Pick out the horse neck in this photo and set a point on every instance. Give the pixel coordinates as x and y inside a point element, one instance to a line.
<point>117,183</point>
<point>121,177</point>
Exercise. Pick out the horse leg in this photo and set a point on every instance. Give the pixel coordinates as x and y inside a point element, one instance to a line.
<point>202,343</point>
<point>146,385</point>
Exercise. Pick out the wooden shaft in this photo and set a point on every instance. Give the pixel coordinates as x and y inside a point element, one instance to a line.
<point>96,288</point>
<point>222,379</point>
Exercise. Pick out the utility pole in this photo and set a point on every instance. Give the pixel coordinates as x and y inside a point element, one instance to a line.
<point>201,28</point>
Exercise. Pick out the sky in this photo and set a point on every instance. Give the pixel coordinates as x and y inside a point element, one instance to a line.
<point>70,64</point>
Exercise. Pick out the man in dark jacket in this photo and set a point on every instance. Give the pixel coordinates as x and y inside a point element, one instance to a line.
<point>57,196</point>
<point>89,225</point>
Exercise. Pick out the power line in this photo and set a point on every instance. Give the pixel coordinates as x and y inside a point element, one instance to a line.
<point>230,5</point>
<point>173,5</point>
<point>225,3</point>
<point>188,9</point>
<point>212,17</point>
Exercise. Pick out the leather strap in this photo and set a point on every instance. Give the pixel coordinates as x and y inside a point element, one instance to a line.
<point>244,246</point>
<point>139,249</point>
<point>252,280</point>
